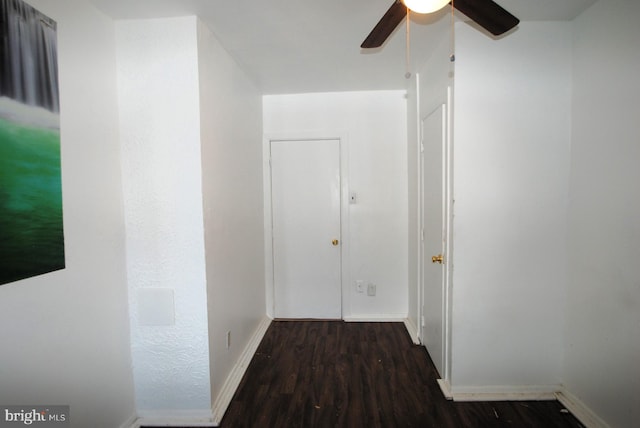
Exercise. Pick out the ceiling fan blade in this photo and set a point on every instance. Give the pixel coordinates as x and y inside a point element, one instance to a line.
<point>488,14</point>
<point>383,29</point>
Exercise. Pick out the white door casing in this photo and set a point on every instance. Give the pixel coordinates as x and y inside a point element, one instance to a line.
<point>306,203</point>
<point>435,208</point>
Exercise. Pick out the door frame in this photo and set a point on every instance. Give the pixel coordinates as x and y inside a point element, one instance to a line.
<point>344,213</point>
<point>448,202</point>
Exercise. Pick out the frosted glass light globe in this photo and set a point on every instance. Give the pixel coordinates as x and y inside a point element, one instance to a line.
<point>425,6</point>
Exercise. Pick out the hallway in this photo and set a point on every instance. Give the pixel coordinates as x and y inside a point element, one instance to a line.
<point>337,374</point>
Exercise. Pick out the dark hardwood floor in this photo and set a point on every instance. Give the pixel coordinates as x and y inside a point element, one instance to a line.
<point>335,374</point>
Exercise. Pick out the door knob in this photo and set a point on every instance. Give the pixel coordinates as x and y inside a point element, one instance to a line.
<point>335,242</point>
<point>437,259</point>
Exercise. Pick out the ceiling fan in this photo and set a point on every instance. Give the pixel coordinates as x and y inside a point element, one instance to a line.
<point>486,13</point>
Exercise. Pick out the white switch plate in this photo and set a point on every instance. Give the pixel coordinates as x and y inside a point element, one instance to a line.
<point>371,289</point>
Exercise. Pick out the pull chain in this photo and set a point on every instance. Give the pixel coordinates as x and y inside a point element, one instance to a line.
<point>452,56</point>
<point>407,75</point>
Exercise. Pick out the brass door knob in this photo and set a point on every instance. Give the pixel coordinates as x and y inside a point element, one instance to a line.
<point>437,259</point>
<point>335,242</point>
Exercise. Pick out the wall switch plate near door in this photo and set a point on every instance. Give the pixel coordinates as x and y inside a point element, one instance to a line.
<point>371,289</point>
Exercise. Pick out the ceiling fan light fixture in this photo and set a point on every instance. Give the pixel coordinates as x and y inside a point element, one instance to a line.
<point>425,6</point>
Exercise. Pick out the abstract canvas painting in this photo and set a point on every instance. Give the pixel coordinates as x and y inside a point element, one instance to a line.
<point>31,227</point>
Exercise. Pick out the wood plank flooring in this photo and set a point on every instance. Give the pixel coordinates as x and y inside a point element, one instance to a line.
<point>335,374</point>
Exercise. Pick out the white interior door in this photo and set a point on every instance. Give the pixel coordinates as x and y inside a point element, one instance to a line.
<point>305,203</point>
<point>434,236</point>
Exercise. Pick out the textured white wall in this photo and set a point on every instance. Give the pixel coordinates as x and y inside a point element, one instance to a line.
<point>231,129</point>
<point>65,335</point>
<point>511,170</point>
<point>161,161</point>
<point>603,306</point>
<point>375,124</point>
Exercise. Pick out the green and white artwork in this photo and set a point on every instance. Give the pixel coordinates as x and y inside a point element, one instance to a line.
<point>31,227</point>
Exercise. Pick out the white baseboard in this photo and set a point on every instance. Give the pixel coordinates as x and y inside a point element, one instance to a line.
<point>573,404</point>
<point>412,330</point>
<point>445,387</point>
<point>377,318</point>
<point>206,417</point>
<point>131,422</point>
<point>580,410</point>
<point>504,393</point>
<point>174,418</point>
<point>235,376</point>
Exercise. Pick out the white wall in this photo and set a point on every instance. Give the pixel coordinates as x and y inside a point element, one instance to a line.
<point>65,335</point>
<point>413,226</point>
<point>512,143</point>
<point>375,125</point>
<point>603,305</point>
<point>160,136</point>
<point>231,130</point>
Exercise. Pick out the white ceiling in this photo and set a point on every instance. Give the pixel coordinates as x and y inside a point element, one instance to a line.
<point>296,46</point>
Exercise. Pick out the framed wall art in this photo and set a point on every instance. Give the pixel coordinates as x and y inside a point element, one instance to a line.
<point>31,226</point>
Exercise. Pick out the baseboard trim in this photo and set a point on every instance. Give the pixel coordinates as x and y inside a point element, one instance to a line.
<point>581,411</point>
<point>504,393</point>
<point>174,418</point>
<point>445,387</point>
<point>377,318</point>
<point>412,330</point>
<point>131,422</point>
<point>235,376</point>
<point>573,404</point>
